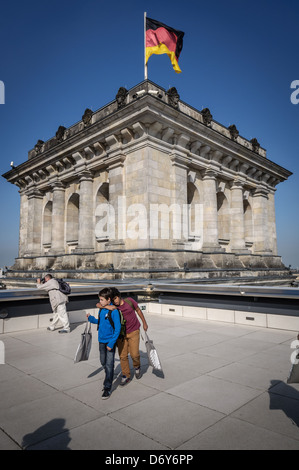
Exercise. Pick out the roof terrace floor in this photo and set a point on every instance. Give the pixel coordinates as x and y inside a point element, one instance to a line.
<point>224,386</point>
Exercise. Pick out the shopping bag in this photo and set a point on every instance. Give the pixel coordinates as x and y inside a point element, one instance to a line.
<point>152,354</point>
<point>83,350</point>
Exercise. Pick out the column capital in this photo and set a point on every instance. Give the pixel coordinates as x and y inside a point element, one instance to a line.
<point>34,193</point>
<point>57,186</point>
<point>210,174</point>
<point>261,191</point>
<point>115,161</point>
<point>23,192</point>
<point>85,175</point>
<point>237,184</point>
<point>179,160</point>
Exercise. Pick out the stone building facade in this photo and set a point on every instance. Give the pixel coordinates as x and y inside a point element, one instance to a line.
<point>148,186</point>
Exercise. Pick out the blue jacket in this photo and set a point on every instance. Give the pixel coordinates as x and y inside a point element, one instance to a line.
<point>106,333</point>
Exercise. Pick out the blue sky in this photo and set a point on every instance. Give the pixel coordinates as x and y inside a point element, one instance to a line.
<point>239,58</point>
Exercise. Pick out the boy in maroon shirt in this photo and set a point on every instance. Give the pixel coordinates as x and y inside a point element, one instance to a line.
<point>130,343</point>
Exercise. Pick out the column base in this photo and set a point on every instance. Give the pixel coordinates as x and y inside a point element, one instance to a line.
<point>115,245</point>
<point>82,250</point>
<point>264,252</point>
<point>212,248</point>
<point>32,254</point>
<point>240,251</point>
<point>180,244</point>
<point>56,252</point>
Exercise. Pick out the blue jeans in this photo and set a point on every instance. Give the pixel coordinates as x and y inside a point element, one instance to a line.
<point>107,361</point>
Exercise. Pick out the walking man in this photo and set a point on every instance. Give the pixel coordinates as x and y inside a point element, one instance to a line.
<point>58,302</point>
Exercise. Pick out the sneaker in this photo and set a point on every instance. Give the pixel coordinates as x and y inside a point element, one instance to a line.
<point>51,328</point>
<point>64,331</point>
<point>138,373</point>
<point>106,394</point>
<point>124,380</point>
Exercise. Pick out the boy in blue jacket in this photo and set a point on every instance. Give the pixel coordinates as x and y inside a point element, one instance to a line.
<point>108,332</point>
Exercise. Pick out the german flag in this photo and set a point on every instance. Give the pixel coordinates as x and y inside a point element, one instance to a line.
<point>162,39</point>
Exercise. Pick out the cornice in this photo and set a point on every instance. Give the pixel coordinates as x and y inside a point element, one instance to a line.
<point>147,118</point>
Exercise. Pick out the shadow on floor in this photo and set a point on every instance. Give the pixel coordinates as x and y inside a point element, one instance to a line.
<point>52,428</point>
<point>286,398</point>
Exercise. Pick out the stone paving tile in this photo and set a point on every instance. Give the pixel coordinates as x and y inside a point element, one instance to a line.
<point>100,434</point>
<point>250,376</point>
<point>121,397</point>
<point>214,393</point>
<point>234,434</point>
<point>167,419</point>
<point>31,422</point>
<point>274,412</point>
<point>6,443</point>
<point>22,390</point>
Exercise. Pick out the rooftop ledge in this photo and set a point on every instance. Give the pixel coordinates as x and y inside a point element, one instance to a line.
<point>126,97</point>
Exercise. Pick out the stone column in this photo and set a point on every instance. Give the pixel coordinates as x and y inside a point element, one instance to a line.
<point>117,202</point>
<point>237,240</point>
<point>272,222</point>
<point>34,226</point>
<point>58,218</point>
<point>86,225</point>
<point>260,221</point>
<point>179,178</point>
<point>23,223</point>
<point>210,216</point>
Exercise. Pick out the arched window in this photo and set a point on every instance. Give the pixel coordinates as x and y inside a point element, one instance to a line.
<point>102,213</point>
<point>47,227</point>
<point>195,223</point>
<point>248,224</point>
<point>223,219</point>
<point>72,221</point>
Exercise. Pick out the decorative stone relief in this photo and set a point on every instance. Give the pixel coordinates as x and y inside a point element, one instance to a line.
<point>233,132</point>
<point>39,146</point>
<point>226,160</point>
<point>112,141</point>
<point>86,118</point>
<point>139,129</point>
<point>206,116</point>
<point>191,176</point>
<point>89,153</point>
<point>246,195</point>
<point>195,146</point>
<point>204,151</point>
<point>216,155</point>
<point>155,129</point>
<point>167,134</point>
<point>121,97</point>
<point>221,186</point>
<point>255,145</point>
<point>243,168</point>
<point>173,97</point>
<point>127,135</point>
<point>183,140</point>
<point>60,133</point>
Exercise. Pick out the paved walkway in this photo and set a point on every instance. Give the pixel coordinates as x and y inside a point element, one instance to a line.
<point>224,387</point>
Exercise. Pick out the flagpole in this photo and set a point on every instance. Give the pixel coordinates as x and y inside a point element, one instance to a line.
<point>145,64</point>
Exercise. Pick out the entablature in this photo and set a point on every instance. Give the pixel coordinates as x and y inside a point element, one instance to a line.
<point>149,114</point>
